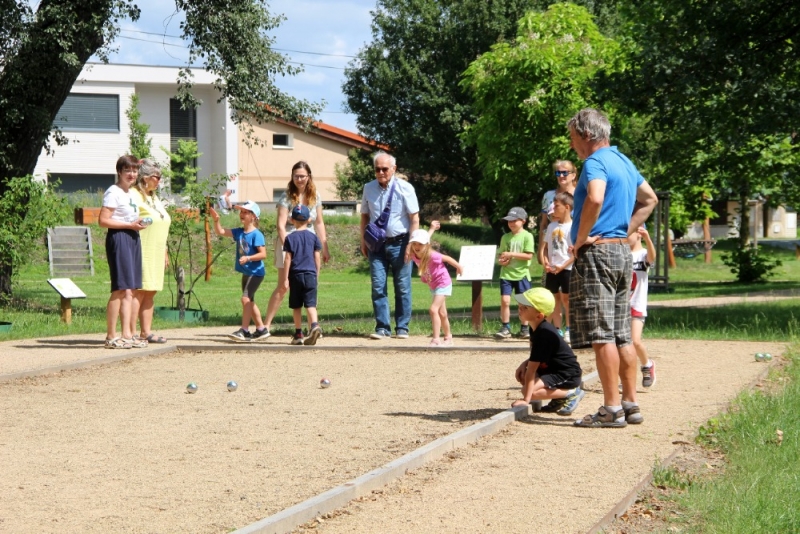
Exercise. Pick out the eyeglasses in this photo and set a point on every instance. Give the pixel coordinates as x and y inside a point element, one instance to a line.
<point>382,169</point>
<point>559,174</point>
<point>156,176</point>
<point>300,176</point>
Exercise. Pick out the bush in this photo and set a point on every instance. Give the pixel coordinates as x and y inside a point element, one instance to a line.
<point>749,265</point>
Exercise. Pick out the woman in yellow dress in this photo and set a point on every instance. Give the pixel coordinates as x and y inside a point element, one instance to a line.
<point>155,259</point>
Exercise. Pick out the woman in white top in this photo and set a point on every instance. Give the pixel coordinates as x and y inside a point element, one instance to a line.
<point>120,214</point>
<point>301,190</point>
<point>566,175</point>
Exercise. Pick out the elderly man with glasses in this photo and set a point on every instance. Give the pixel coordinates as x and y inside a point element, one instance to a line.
<point>612,200</point>
<point>393,255</point>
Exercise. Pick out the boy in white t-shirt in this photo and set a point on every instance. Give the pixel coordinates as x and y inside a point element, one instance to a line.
<point>558,259</point>
<point>642,259</point>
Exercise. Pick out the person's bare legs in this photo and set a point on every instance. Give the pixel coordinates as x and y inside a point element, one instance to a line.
<point>565,304</point>
<point>247,312</point>
<point>312,316</point>
<point>275,300</point>
<point>436,319</point>
<point>143,309</point>
<point>627,373</point>
<point>446,332</point>
<point>112,313</point>
<point>505,309</point>
<point>125,312</point>
<point>607,357</point>
<point>636,335</point>
<point>256,315</point>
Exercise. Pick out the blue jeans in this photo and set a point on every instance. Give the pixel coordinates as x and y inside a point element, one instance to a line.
<point>391,257</point>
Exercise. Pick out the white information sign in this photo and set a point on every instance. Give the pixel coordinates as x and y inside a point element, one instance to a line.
<point>477,262</point>
<point>66,288</point>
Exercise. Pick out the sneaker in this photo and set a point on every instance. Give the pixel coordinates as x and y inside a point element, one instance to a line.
<point>313,336</point>
<point>566,335</point>
<point>241,336</point>
<point>401,334</point>
<point>572,402</point>
<point>297,339</point>
<point>524,333</point>
<point>554,405</point>
<point>649,375</point>
<point>436,343</point>
<point>503,333</point>
<point>603,419</point>
<point>260,335</point>
<point>380,334</point>
<point>447,342</point>
<point>633,416</point>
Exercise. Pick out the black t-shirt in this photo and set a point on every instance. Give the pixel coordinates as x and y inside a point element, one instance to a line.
<point>552,352</point>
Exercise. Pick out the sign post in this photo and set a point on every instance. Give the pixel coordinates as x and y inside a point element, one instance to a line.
<point>68,291</point>
<point>477,264</point>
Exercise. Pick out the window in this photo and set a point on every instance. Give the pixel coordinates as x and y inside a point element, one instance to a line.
<point>282,141</point>
<point>277,194</point>
<point>89,112</point>
<point>182,127</point>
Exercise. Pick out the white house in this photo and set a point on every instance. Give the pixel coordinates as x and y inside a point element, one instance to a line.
<point>93,119</point>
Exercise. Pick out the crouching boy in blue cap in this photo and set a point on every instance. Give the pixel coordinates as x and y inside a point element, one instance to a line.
<point>552,371</point>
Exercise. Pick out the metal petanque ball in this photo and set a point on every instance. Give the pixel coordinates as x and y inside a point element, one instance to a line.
<point>759,357</point>
<point>324,383</point>
<point>232,386</point>
<point>767,357</point>
<point>191,387</point>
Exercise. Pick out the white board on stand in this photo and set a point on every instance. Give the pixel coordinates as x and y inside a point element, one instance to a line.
<point>477,262</point>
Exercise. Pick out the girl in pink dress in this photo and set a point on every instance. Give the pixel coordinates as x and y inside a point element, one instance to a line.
<point>432,271</point>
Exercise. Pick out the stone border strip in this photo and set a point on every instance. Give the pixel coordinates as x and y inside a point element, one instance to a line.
<point>622,506</point>
<point>333,499</point>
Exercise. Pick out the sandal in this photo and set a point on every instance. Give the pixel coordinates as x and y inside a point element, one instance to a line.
<point>603,419</point>
<point>117,343</point>
<point>435,343</point>
<point>152,338</point>
<point>136,342</point>
<point>448,341</point>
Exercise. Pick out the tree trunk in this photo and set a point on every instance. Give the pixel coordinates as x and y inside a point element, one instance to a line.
<point>181,278</point>
<point>744,219</point>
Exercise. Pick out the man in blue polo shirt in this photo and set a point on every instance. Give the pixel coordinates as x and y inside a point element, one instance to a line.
<point>612,200</point>
<point>393,256</point>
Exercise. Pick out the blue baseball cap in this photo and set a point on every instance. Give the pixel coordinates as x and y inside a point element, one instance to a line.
<point>301,213</point>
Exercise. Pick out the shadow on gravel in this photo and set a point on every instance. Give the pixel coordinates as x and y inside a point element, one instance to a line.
<point>451,417</point>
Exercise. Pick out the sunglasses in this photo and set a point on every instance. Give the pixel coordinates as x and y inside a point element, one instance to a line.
<point>559,174</point>
<point>382,169</point>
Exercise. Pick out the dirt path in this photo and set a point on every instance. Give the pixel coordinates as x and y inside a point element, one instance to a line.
<point>122,448</point>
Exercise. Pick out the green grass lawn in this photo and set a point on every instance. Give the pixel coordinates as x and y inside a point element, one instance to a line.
<point>344,294</point>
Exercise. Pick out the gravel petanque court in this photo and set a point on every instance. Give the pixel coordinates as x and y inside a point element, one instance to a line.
<point>122,447</point>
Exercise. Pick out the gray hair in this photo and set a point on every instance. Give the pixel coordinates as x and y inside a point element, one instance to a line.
<point>590,124</point>
<point>381,153</point>
<point>147,167</point>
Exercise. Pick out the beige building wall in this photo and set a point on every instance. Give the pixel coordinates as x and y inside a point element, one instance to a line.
<point>266,170</point>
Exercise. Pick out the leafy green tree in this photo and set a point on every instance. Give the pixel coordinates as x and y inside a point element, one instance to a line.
<point>524,93</point>
<point>719,81</point>
<point>42,52</point>
<point>404,87</point>
<point>353,174</point>
<point>21,227</point>
<point>182,171</point>
<point>141,145</point>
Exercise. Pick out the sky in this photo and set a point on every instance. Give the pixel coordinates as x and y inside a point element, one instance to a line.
<point>322,35</point>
